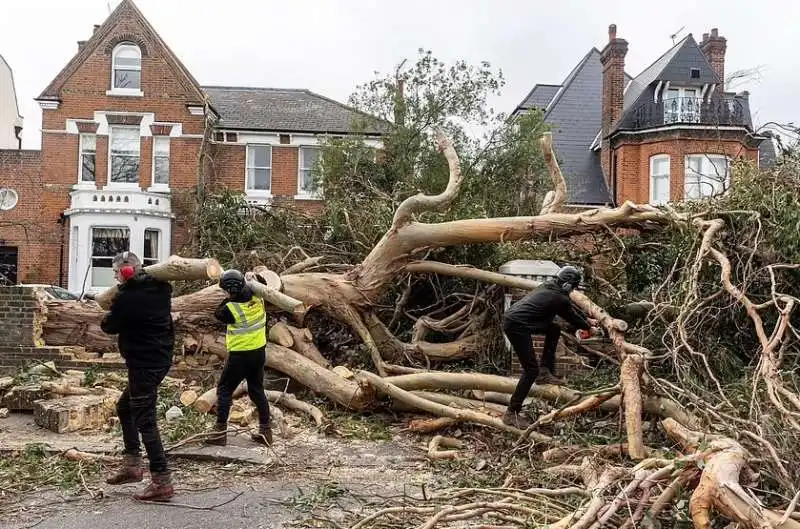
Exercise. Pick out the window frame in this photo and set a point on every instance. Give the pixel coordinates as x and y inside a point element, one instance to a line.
<point>316,193</point>
<point>683,115</point>
<point>122,91</point>
<point>168,156</point>
<point>147,261</point>
<point>123,185</point>
<point>92,256</point>
<point>81,152</point>
<point>699,176</point>
<point>653,159</point>
<point>251,192</point>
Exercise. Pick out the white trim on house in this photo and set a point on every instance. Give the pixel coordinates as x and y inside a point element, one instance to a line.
<point>48,105</point>
<point>124,92</point>
<point>196,110</point>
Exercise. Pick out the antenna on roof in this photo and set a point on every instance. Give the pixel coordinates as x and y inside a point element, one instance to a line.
<point>675,35</point>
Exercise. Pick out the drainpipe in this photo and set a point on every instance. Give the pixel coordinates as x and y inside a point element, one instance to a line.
<point>62,220</point>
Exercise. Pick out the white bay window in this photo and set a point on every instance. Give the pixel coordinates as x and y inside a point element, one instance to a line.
<point>106,243</point>
<point>706,175</point>
<point>659,179</point>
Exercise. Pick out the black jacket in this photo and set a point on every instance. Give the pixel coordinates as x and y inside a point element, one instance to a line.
<point>141,315</point>
<point>538,309</point>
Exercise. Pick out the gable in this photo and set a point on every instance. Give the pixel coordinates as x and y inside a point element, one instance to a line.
<point>93,60</point>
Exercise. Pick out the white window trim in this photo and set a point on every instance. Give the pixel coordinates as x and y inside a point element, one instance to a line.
<point>706,157</point>
<point>81,184</point>
<point>125,92</point>
<point>301,193</point>
<point>160,233</point>
<point>158,187</point>
<point>123,185</point>
<point>653,159</point>
<point>258,193</point>
<point>91,285</point>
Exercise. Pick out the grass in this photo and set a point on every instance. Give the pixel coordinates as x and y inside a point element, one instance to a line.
<point>34,468</point>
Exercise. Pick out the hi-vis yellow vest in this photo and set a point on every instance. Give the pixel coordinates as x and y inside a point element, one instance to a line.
<point>250,329</point>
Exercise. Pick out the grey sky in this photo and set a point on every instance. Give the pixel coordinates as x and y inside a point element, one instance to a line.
<point>330,46</point>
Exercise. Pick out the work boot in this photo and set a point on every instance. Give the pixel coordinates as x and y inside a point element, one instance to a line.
<point>159,489</point>
<point>131,471</point>
<point>264,435</point>
<point>547,377</point>
<point>218,439</point>
<point>516,419</point>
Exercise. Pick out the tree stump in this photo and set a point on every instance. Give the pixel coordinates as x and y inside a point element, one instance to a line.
<point>22,398</point>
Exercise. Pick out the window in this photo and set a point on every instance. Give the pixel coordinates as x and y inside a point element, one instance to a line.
<point>659,179</point>
<point>226,137</point>
<point>88,158</point>
<point>161,160</point>
<point>309,158</point>
<point>106,243</point>
<point>682,105</point>
<point>150,253</point>
<point>124,155</point>
<point>695,73</point>
<point>706,175</point>
<point>259,169</point>
<point>126,67</point>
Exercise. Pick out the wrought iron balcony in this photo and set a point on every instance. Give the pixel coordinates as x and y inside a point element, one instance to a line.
<point>690,111</point>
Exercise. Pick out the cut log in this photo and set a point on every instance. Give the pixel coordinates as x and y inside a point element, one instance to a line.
<point>66,389</point>
<point>719,487</point>
<point>286,303</point>
<point>173,269</point>
<point>189,397</point>
<point>76,455</point>
<point>435,408</point>
<point>22,398</point>
<point>430,425</point>
<point>303,343</point>
<point>447,442</point>
<point>268,277</point>
<point>75,413</point>
<point>291,402</point>
<point>279,334</point>
<point>658,406</point>
<point>208,400</point>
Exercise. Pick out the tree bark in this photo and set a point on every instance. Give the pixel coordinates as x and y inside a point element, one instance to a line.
<point>173,269</point>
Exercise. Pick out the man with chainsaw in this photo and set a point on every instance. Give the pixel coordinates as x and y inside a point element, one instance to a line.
<point>141,316</point>
<point>534,314</point>
<point>246,341</point>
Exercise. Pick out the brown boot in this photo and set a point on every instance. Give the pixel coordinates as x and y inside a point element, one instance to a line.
<point>547,377</point>
<point>131,471</point>
<point>221,438</point>
<point>264,435</point>
<point>159,489</point>
<point>516,419</point>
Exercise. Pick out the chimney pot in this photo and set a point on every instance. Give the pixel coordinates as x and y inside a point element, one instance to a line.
<point>81,44</point>
<point>612,32</point>
<point>705,37</point>
<point>714,32</point>
<point>96,27</point>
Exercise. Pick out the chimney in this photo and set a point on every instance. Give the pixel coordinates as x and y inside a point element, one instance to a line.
<point>81,44</point>
<point>713,47</point>
<point>95,28</point>
<point>613,59</point>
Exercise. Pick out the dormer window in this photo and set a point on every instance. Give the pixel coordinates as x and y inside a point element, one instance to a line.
<point>682,105</point>
<point>126,69</point>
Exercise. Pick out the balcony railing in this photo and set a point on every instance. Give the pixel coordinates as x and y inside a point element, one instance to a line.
<point>690,111</point>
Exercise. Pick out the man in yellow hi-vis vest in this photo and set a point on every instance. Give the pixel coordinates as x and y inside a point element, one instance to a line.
<point>246,341</point>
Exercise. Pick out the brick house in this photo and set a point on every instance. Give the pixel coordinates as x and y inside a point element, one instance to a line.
<point>667,134</point>
<point>124,127</point>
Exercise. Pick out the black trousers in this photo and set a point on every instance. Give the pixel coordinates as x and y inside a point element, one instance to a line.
<point>522,342</point>
<point>243,366</point>
<point>136,409</point>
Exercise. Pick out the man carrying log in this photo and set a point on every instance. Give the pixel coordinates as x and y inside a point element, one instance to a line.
<point>141,316</point>
<point>246,341</point>
<point>534,314</point>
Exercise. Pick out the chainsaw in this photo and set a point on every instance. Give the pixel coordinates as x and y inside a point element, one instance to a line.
<point>593,335</point>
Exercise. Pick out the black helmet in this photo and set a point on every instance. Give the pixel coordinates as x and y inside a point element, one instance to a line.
<point>569,278</point>
<point>232,282</point>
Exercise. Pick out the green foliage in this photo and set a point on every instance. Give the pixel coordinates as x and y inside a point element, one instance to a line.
<point>34,468</point>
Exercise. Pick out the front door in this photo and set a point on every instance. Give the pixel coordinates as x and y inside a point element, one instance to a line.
<point>9,262</point>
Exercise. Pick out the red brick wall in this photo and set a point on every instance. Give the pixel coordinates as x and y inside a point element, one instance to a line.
<point>633,163</point>
<point>24,226</point>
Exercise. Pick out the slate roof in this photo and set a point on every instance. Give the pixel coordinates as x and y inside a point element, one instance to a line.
<point>539,97</point>
<point>287,110</point>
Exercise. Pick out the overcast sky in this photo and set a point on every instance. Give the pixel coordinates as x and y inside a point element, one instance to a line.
<point>330,46</point>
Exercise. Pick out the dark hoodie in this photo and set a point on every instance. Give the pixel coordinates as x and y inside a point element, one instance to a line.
<point>142,317</point>
<point>538,309</point>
